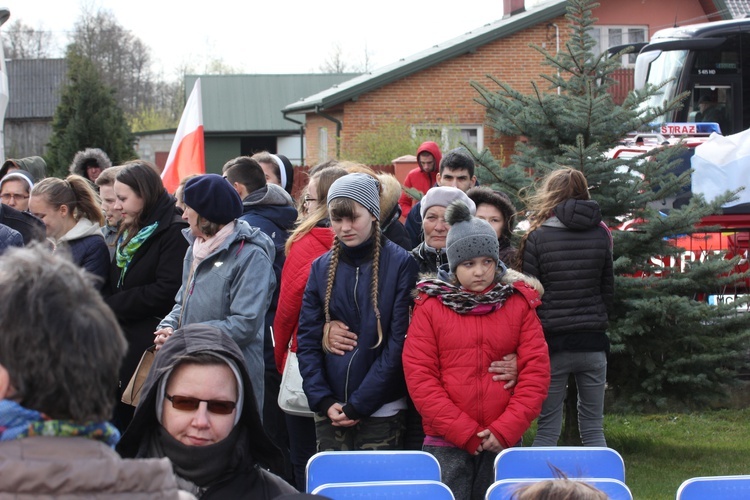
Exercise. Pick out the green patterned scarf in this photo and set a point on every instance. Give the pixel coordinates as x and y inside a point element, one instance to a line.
<point>125,253</point>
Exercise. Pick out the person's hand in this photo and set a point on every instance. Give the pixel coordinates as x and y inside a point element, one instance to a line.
<point>161,336</point>
<point>339,418</point>
<point>506,369</point>
<point>340,339</point>
<point>489,442</point>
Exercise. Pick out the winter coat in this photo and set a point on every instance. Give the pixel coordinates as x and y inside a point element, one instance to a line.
<point>147,291</point>
<point>294,276</point>
<point>429,259</point>
<point>30,227</point>
<point>571,254</point>
<point>35,165</point>
<point>77,467</point>
<point>230,289</point>
<point>413,225</point>
<point>78,166</point>
<point>367,377</point>
<point>390,212</point>
<point>419,179</point>
<point>446,358</point>
<point>271,209</point>
<point>9,238</point>
<point>88,248</point>
<point>246,477</point>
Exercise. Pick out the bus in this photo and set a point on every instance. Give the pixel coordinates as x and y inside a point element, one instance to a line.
<point>711,61</point>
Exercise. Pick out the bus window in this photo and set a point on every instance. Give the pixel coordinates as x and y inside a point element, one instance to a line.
<point>712,104</point>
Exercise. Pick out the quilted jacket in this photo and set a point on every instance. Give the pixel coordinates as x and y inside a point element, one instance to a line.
<point>446,357</point>
<point>294,275</point>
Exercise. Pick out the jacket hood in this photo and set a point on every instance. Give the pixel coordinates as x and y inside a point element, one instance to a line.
<point>389,197</point>
<point>578,214</point>
<point>35,165</point>
<point>434,150</point>
<point>270,194</point>
<point>84,227</point>
<point>242,231</point>
<point>88,155</point>
<point>507,277</point>
<point>189,340</point>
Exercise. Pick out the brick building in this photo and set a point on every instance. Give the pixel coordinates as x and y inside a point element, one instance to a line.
<point>431,91</point>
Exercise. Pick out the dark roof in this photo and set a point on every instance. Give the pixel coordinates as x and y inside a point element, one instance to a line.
<point>253,103</point>
<point>34,87</point>
<point>463,44</point>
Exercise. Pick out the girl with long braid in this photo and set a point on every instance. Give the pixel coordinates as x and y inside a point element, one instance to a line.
<point>365,282</point>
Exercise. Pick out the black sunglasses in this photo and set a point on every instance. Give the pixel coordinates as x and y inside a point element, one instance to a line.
<point>186,403</point>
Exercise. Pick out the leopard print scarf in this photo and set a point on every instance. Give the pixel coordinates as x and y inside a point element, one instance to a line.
<point>463,301</point>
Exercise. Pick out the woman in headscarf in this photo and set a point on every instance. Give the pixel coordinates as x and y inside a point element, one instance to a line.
<point>198,409</point>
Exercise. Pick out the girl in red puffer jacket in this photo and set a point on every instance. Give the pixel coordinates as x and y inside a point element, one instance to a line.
<point>462,321</point>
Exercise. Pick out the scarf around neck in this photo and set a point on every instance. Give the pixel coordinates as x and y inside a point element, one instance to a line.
<point>202,248</point>
<point>199,465</point>
<point>125,253</point>
<point>17,422</point>
<point>463,301</point>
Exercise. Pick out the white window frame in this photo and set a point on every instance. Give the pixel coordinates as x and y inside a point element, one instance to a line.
<point>446,131</point>
<point>628,61</point>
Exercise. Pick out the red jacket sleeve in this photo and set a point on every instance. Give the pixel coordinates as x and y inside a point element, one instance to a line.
<point>533,375</point>
<point>405,201</point>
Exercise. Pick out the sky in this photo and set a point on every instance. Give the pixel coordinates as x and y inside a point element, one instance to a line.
<point>271,37</point>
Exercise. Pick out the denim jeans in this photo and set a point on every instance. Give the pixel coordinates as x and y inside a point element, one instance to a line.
<point>590,371</point>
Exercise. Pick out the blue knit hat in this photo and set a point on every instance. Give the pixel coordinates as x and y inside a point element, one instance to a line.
<point>362,188</point>
<point>213,198</point>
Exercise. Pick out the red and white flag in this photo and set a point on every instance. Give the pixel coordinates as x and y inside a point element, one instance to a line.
<point>187,154</point>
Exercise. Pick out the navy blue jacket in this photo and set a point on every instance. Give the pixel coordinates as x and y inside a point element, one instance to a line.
<point>9,238</point>
<point>272,211</point>
<point>92,254</point>
<point>365,378</point>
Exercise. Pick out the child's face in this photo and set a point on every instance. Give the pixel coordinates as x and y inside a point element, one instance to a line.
<point>476,274</point>
<point>355,230</point>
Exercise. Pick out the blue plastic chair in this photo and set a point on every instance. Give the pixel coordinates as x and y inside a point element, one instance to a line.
<point>573,461</point>
<point>330,467</point>
<point>504,489</point>
<point>416,490</point>
<point>724,487</point>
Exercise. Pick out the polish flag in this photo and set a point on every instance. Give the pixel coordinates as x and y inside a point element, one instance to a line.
<point>187,154</point>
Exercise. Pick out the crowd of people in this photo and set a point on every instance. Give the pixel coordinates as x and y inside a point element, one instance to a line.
<point>436,334</point>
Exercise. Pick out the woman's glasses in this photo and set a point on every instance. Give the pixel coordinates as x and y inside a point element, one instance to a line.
<point>186,403</point>
<point>14,197</point>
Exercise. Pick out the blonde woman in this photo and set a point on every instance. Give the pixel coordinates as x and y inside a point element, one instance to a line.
<point>72,215</point>
<point>360,396</point>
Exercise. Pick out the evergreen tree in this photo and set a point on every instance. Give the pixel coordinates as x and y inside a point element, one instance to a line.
<point>667,345</point>
<point>87,117</point>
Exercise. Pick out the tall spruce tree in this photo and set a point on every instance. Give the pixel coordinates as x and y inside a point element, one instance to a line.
<point>667,345</point>
<point>87,117</point>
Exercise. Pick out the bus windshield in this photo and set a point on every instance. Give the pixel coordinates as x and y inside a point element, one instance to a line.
<point>659,67</point>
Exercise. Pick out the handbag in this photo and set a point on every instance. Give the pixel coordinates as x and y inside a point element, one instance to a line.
<point>292,399</point>
<point>132,393</point>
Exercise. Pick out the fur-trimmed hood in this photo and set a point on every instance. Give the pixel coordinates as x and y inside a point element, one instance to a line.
<point>505,276</point>
<point>89,155</point>
<point>389,196</point>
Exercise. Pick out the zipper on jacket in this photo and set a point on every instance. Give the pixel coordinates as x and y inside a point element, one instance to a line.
<point>348,369</point>
<point>356,284</point>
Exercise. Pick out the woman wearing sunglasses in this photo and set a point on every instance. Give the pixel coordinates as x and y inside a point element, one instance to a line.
<point>197,408</point>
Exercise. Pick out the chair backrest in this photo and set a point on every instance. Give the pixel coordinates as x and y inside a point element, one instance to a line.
<point>416,490</point>
<point>573,461</point>
<point>365,466</point>
<point>724,487</point>
<point>504,489</point>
